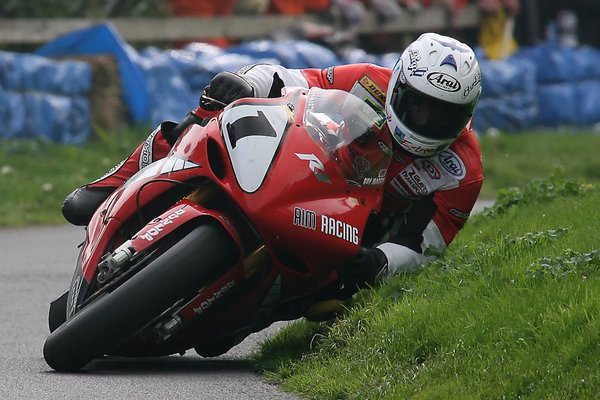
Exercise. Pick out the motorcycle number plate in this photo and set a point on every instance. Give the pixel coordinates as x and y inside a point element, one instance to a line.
<point>252,135</point>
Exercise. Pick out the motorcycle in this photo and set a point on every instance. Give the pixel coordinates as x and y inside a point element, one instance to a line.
<point>249,220</point>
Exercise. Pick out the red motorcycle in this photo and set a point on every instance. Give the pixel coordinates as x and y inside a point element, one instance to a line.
<point>249,220</point>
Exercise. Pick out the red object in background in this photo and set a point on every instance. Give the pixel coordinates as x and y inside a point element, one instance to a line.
<point>195,8</point>
<point>298,7</point>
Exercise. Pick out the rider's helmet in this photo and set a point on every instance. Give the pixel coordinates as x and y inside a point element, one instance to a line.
<point>433,91</point>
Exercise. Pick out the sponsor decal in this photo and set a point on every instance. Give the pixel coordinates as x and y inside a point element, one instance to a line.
<point>361,165</point>
<point>430,169</point>
<point>398,133</point>
<point>444,82</point>
<point>459,214</point>
<point>333,227</point>
<point>414,181</point>
<point>75,289</point>
<point>452,163</point>
<point>384,147</point>
<point>377,108</point>
<point>305,218</point>
<point>315,165</point>
<point>329,75</point>
<point>413,64</point>
<point>160,224</point>
<point>206,304</point>
<point>399,188</point>
<point>469,89</point>
<point>374,181</point>
<point>146,152</point>
<point>373,89</point>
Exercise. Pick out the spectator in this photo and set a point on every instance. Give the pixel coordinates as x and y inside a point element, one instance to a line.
<point>496,35</point>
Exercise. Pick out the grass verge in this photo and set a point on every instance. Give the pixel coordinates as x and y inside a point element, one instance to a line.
<point>511,311</point>
<point>515,159</point>
<point>36,176</point>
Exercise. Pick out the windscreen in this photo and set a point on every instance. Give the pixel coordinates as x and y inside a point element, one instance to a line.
<point>350,132</point>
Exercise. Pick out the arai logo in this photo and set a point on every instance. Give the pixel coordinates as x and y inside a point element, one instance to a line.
<point>452,163</point>
<point>444,81</point>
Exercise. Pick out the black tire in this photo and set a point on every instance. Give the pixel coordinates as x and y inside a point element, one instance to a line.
<point>205,252</point>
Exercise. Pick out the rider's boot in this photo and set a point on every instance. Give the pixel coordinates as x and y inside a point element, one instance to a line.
<point>80,205</point>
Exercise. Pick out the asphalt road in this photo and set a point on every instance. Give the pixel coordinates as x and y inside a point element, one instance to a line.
<point>36,265</point>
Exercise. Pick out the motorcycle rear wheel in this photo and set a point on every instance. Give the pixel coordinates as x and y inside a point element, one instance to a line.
<point>96,329</point>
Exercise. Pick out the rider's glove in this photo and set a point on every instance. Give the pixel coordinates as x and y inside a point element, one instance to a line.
<point>367,269</point>
<point>224,88</point>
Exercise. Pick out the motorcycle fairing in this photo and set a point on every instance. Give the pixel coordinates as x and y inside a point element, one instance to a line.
<point>303,254</point>
<point>172,219</point>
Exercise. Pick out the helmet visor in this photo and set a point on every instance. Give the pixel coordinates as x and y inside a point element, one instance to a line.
<point>427,116</point>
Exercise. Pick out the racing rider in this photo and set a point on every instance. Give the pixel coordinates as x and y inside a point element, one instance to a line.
<point>435,174</point>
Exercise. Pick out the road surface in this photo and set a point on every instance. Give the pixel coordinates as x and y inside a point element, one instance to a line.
<point>36,266</point>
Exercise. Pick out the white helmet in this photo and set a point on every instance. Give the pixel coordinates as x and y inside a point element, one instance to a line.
<point>433,91</point>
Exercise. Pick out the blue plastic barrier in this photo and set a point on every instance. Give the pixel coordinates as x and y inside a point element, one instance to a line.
<point>57,118</point>
<point>28,72</point>
<point>44,98</point>
<point>568,81</point>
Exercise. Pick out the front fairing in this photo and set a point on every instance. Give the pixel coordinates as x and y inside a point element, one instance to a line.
<point>129,201</point>
<point>308,170</point>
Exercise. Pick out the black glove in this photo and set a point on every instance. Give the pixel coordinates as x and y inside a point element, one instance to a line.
<point>369,266</point>
<point>224,88</point>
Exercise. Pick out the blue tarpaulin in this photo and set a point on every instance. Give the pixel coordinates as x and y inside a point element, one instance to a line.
<point>103,39</point>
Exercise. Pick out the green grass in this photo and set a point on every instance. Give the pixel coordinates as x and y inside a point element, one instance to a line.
<point>36,176</point>
<point>515,159</point>
<point>511,311</point>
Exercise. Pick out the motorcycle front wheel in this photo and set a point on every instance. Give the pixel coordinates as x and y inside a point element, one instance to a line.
<point>96,329</point>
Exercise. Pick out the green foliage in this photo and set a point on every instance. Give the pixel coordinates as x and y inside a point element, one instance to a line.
<point>509,311</point>
<point>571,262</point>
<point>536,191</point>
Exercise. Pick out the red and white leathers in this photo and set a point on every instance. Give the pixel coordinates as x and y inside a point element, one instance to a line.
<point>427,200</point>
<point>155,147</point>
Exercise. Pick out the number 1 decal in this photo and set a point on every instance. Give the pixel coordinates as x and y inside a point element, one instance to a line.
<point>249,126</point>
<point>252,135</point>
